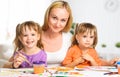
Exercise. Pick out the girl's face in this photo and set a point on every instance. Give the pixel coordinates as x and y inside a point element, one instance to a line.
<point>57,19</point>
<point>86,39</point>
<point>29,38</point>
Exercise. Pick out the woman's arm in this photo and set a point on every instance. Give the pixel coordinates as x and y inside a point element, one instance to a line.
<point>9,64</point>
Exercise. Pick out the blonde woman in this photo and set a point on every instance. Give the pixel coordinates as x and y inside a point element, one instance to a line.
<point>56,36</point>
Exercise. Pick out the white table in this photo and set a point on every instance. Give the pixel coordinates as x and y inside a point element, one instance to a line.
<point>86,72</point>
<point>109,54</point>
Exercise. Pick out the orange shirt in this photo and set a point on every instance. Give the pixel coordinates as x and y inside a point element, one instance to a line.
<point>75,52</point>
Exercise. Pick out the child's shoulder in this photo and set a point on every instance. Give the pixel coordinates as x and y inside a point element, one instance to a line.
<point>74,47</point>
<point>42,52</point>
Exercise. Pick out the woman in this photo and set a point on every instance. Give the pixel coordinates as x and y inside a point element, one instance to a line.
<point>56,37</point>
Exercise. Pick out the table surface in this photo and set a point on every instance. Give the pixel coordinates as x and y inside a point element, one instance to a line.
<point>91,71</point>
<point>108,53</point>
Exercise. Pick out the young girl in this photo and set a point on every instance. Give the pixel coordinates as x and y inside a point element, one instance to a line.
<point>28,46</point>
<point>82,51</point>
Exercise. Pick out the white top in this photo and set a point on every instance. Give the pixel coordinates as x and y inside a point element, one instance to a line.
<point>55,58</point>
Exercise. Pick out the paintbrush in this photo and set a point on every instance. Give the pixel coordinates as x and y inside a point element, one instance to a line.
<point>48,71</point>
<point>18,52</point>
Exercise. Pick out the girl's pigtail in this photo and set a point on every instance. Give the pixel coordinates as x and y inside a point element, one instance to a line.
<point>16,38</point>
<point>74,40</point>
<point>77,28</point>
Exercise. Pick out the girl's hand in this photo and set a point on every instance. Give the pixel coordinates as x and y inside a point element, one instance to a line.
<point>80,60</point>
<point>18,59</point>
<point>87,57</point>
<point>91,59</point>
<point>114,60</point>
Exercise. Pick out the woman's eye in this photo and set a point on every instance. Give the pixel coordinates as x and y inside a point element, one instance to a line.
<point>54,18</point>
<point>63,20</point>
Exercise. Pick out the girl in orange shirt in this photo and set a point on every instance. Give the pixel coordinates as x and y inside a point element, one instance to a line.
<point>82,51</point>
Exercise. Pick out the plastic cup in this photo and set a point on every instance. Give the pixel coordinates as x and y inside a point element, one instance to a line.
<point>38,68</point>
<point>118,67</point>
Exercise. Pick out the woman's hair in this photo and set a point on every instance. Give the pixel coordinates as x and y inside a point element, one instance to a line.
<point>19,33</point>
<point>82,28</point>
<point>58,4</point>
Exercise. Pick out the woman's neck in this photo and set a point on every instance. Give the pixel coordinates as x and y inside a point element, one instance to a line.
<point>51,35</point>
<point>52,41</point>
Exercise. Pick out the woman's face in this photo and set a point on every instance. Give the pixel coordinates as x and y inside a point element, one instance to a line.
<point>57,19</point>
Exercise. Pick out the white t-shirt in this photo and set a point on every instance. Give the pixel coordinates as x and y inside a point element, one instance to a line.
<point>55,58</point>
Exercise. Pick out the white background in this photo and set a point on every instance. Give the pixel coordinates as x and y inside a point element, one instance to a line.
<point>105,14</point>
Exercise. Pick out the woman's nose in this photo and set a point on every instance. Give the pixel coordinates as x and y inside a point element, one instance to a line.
<point>58,24</point>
